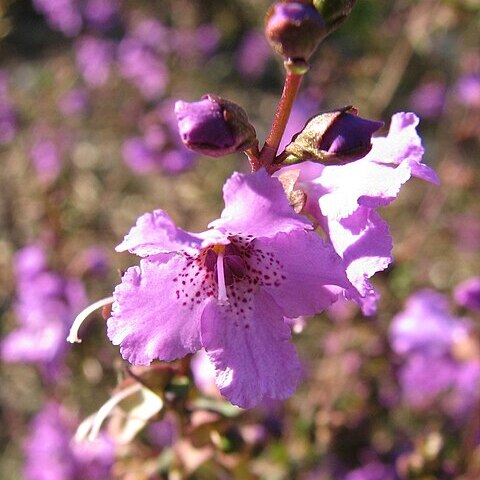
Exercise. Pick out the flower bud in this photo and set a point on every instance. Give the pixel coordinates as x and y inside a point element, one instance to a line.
<point>294,29</point>
<point>214,126</point>
<point>334,12</point>
<point>336,137</point>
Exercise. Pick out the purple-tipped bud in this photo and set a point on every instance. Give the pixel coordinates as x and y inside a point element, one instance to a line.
<point>334,12</point>
<point>214,126</point>
<point>336,137</point>
<point>294,29</point>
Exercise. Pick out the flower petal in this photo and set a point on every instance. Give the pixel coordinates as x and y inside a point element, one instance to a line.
<point>376,179</point>
<point>256,205</point>
<point>402,144</point>
<point>157,309</point>
<point>296,271</point>
<point>363,240</point>
<point>360,183</point>
<point>252,353</point>
<point>155,233</point>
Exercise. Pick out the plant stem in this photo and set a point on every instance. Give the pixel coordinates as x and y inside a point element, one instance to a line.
<point>290,90</point>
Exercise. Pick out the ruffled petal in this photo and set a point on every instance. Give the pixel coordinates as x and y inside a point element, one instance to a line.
<point>296,269</point>
<point>359,183</point>
<point>373,181</point>
<point>402,144</point>
<point>252,353</point>
<point>155,233</point>
<point>256,205</point>
<point>364,242</point>
<point>157,309</point>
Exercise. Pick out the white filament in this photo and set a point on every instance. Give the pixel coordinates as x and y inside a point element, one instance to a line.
<point>222,288</point>
<point>90,428</point>
<point>81,317</point>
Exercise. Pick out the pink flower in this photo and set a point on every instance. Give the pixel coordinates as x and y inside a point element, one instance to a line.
<point>343,199</point>
<point>227,290</point>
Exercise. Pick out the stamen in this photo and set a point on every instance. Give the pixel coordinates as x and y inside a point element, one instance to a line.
<point>82,316</point>
<point>222,288</point>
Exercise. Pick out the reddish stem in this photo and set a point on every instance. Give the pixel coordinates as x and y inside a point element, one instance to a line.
<point>290,90</point>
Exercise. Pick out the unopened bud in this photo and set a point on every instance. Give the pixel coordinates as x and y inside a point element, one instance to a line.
<point>294,29</point>
<point>336,137</point>
<point>214,126</point>
<point>334,12</point>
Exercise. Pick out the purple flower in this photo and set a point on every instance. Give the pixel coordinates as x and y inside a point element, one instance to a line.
<point>45,305</point>
<point>372,471</point>
<point>143,67</point>
<point>465,228</point>
<point>74,102</point>
<point>201,42</point>
<point>92,261</point>
<point>164,433</point>
<point>467,294</point>
<point>46,159</point>
<point>29,261</point>
<point>47,453</point>
<point>468,90</point>
<point>344,198</point>
<point>226,290</point>
<point>253,55</point>
<point>153,35</point>
<point>143,157</point>
<point>51,454</point>
<point>425,326</point>
<point>62,15</point>
<point>8,117</point>
<point>94,57</point>
<point>429,99</point>
<point>160,149</point>
<point>101,14</point>
<point>430,339</point>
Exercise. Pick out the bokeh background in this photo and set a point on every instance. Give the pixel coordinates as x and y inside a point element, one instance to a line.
<point>88,142</point>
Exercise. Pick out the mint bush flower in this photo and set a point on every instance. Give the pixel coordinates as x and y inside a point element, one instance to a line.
<point>226,290</point>
<point>44,305</point>
<point>51,454</point>
<point>343,199</point>
<point>428,338</point>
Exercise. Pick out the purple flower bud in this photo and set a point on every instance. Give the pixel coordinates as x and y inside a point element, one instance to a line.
<point>294,30</point>
<point>334,12</point>
<point>214,126</point>
<point>335,137</point>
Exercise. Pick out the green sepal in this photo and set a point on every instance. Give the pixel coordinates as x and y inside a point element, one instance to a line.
<point>304,145</point>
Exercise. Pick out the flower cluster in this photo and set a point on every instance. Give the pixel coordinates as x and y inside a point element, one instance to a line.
<point>50,453</point>
<point>231,289</point>
<point>430,339</point>
<point>45,304</point>
<point>234,289</point>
